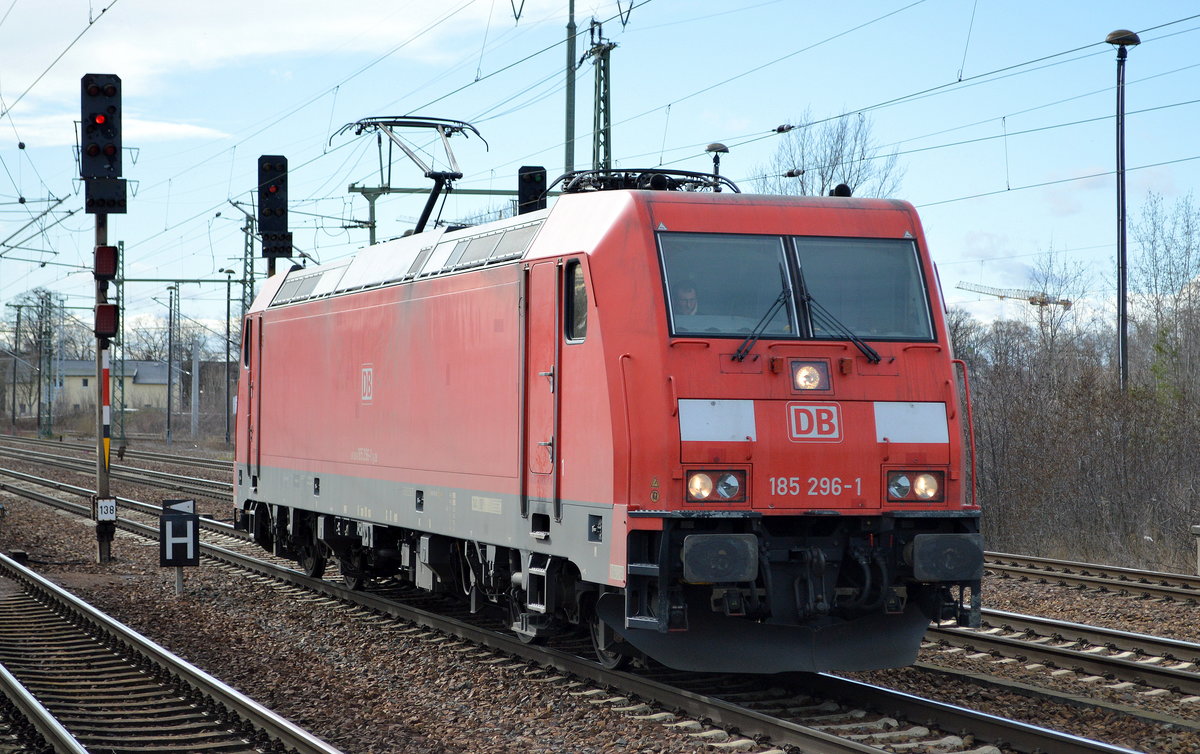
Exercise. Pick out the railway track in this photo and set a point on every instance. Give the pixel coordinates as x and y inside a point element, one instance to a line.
<point>110,689</point>
<point>1171,586</point>
<point>217,464</point>
<point>1107,654</point>
<point>26,725</point>
<point>188,485</point>
<point>814,713</point>
<point>1102,654</point>
<point>148,509</point>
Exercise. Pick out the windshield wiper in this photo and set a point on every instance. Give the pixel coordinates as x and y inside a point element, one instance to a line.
<point>744,349</point>
<point>825,319</point>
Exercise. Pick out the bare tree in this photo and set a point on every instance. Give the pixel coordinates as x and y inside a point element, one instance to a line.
<point>77,340</point>
<point>494,212</point>
<point>1165,286</point>
<point>1057,326</point>
<point>816,156</point>
<point>147,341</point>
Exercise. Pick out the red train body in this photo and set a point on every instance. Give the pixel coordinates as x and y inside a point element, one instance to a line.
<point>721,430</point>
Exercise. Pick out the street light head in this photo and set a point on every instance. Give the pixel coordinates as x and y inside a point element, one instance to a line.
<point>1123,38</point>
<point>717,147</point>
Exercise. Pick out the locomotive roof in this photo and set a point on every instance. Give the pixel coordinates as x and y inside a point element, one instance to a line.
<point>574,223</point>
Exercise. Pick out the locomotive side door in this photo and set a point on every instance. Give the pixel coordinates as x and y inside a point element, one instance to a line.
<point>541,386</point>
<point>251,362</point>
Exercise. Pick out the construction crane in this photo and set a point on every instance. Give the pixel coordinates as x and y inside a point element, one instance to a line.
<point>1034,297</point>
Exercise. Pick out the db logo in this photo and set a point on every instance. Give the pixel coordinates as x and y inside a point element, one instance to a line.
<point>814,422</point>
<point>368,383</point>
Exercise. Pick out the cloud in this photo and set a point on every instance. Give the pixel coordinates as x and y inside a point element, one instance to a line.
<point>141,131</point>
<point>1074,196</point>
<point>60,130</point>
<point>149,40</point>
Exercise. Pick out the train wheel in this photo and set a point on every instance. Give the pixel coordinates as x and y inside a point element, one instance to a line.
<point>353,575</point>
<point>312,562</point>
<point>605,643</point>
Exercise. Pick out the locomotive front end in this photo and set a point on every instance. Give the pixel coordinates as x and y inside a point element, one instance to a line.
<point>820,513</point>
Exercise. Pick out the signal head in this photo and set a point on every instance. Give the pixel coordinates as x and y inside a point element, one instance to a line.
<point>272,195</point>
<point>100,105</point>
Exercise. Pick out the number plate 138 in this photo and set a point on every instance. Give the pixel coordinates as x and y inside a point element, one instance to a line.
<point>106,509</point>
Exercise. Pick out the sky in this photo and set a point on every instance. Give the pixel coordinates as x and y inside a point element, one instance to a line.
<point>1001,113</point>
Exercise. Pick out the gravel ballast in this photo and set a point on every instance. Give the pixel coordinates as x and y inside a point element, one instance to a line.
<point>372,685</point>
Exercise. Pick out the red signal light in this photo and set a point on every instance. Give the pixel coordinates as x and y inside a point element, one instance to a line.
<point>108,320</point>
<point>272,189</point>
<point>104,262</point>
<point>99,119</point>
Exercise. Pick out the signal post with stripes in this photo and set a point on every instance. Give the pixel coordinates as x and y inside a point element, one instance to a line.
<point>104,194</point>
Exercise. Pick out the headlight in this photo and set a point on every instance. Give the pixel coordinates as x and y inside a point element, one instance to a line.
<point>899,486</point>
<point>728,486</point>
<point>723,486</point>
<point>700,486</point>
<point>915,486</point>
<point>926,487</point>
<point>810,375</point>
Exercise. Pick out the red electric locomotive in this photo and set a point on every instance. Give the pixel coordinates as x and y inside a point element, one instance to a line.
<point>724,431</point>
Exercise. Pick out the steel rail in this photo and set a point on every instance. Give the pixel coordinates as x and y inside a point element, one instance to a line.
<point>1127,574</point>
<point>1140,671</point>
<point>1106,578</point>
<point>187,484</point>
<point>208,463</point>
<point>242,706</point>
<point>147,508</point>
<point>43,721</point>
<point>1159,646</point>
<point>992,728</point>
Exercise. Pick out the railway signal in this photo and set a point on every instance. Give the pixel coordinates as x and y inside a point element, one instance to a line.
<point>108,321</point>
<point>272,206</point>
<point>104,194</point>
<point>100,146</point>
<point>531,188</point>
<point>104,262</point>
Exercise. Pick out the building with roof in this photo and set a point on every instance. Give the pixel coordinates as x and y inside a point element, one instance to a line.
<point>144,382</point>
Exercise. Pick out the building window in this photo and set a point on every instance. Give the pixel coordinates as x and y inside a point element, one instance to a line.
<point>85,381</point>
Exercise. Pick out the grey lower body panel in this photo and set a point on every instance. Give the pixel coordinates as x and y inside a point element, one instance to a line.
<point>716,643</point>
<point>582,532</point>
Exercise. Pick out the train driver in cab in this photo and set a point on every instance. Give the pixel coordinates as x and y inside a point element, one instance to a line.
<point>686,302</point>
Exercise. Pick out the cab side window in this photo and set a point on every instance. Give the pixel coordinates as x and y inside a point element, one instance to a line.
<point>247,331</point>
<point>576,307</point>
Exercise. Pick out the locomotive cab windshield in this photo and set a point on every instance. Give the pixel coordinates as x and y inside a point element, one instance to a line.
<point>722,285</point>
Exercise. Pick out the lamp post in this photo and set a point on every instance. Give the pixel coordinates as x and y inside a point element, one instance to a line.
<point>1122,39</point>
<point>171,290</point>
<point>228,280</point>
